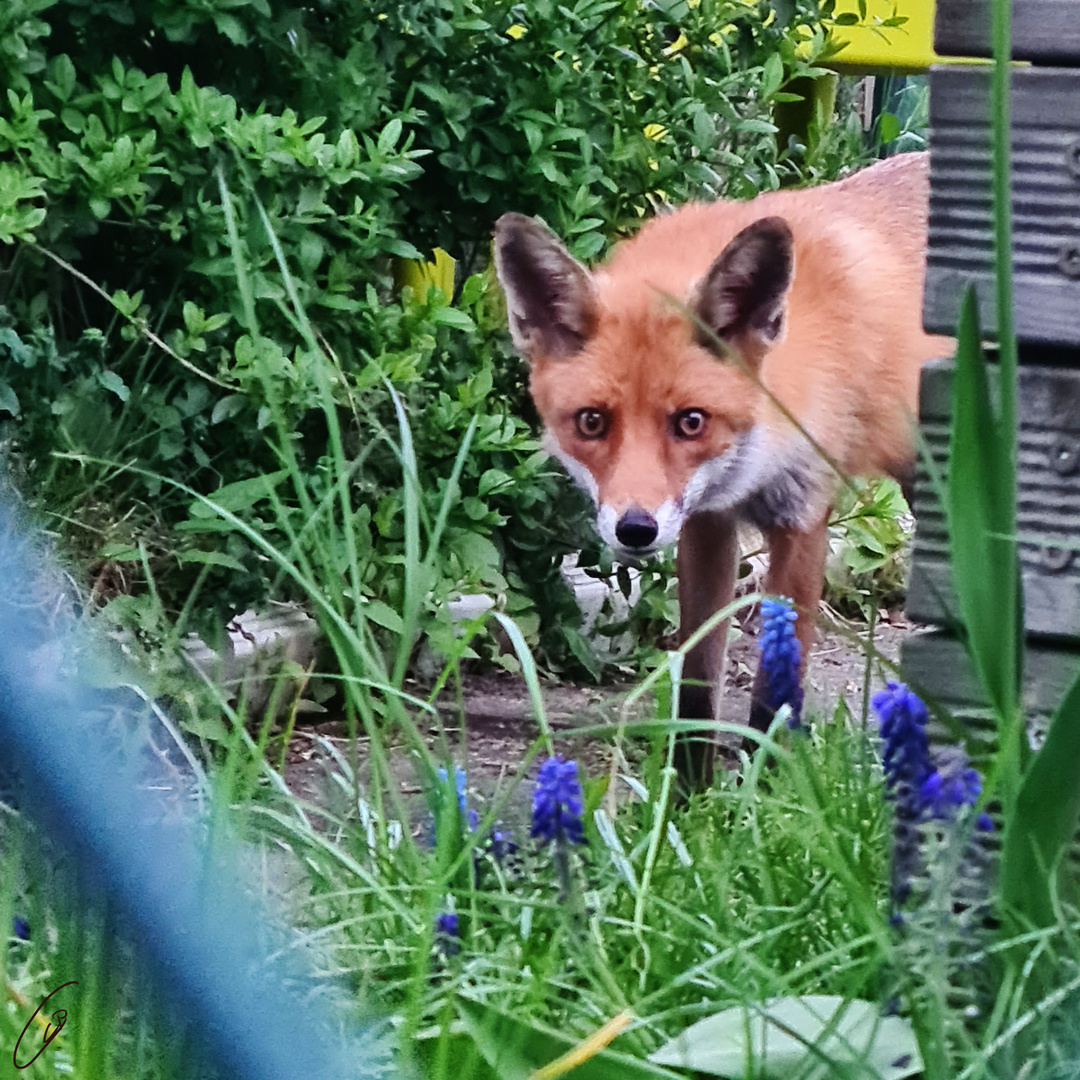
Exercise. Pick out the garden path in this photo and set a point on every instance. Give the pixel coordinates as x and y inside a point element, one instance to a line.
<point>500,728</point>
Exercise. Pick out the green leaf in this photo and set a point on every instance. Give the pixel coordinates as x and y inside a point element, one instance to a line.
<point>478,554</point>
<point>980,513</point>
<point>1041,829</point>
<point>228,407</point>
<point>210,558</point>
<point>240,495</point>
<point>448,316</point>
<point>111,381</point>
<point>761,127</point>
<point>194,319</point>
<point>8,401</point>
<point>388,137</point>
<point>773,75</point>
<point>119,551</point>
<point>402,249</point>
<point>383,615</point>
<point>888,127</point>
<point>804,1037</point>
<point>21,353</point>
<point>588,245</point>
<point>209,727</point>
<point>493,480</point>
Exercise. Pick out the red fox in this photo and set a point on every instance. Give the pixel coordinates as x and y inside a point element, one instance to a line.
<point>818,294</point>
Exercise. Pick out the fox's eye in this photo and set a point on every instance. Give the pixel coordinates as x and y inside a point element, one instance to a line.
<point>591,423</point>
<point>690,423</point>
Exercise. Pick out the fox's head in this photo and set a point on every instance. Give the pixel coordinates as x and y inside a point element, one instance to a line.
<point>645,408</point>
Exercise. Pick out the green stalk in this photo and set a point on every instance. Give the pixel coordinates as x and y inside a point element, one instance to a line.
<point>1010,741</point>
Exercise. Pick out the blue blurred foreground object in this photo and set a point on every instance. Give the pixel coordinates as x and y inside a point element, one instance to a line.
<point>197,930</point>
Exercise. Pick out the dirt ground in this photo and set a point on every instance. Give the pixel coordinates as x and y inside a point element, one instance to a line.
<point>499,724</point>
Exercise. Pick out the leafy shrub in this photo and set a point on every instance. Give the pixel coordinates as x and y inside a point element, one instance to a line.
<point>135,136</point>
<point>869,540</point>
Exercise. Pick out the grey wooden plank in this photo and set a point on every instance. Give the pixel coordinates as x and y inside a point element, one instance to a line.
<point>937,667</point>
<point>1048,501</point>
<point>1045,155</point>
<point>1047,31</point>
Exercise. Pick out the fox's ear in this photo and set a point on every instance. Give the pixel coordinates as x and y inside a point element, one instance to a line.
<point>745,290</point>
<point>550,296</point>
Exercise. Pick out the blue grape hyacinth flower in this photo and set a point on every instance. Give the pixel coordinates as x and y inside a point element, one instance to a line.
<point>467,815</point>
<point>448,933</point>
<point>558,803</point>
<point>906,759</point>
<point>781,658</point>
<point>953,785</point>
<point>501,844</point>
<point>902,721</point>
<point>920,789</point>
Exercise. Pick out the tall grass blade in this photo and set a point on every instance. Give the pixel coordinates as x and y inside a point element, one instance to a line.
<point>980,508</point>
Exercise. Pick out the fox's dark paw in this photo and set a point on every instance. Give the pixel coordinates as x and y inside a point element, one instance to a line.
<point>761,715</point>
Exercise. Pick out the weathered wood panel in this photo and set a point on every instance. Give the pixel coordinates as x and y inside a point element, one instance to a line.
<point>1047,31</point>
<point>1045,201</point>
<point>936,666</point>
<point>1048,500</point>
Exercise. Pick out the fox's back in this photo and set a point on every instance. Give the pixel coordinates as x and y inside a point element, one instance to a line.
<point>887,201</point>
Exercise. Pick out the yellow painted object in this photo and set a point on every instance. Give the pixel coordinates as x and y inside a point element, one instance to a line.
<point>421,275</point>
<point>869,46</point>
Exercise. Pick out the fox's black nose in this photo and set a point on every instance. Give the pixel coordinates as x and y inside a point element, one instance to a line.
<point>636,529</point>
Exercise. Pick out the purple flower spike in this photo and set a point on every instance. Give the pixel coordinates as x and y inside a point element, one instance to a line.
<point>558,803</point>
<point>902,720</point>
<point>952,785</point>
<point>468,814</point>
<point>906,759</point>
<point>459,784</point>
<point>448,933</point>
<point>447,923</point>
<point>781,658</point>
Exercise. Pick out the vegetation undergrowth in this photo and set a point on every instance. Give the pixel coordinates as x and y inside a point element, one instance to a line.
<point>371,133</point>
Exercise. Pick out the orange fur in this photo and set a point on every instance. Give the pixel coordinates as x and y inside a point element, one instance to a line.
<point>841,350</point>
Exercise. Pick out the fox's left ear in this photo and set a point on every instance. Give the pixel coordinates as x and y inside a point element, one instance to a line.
<point>745,291</point>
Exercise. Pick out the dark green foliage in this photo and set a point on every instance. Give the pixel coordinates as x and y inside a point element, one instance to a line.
<point>369,132</point>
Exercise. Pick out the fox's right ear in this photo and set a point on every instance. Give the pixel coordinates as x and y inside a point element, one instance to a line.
<point>550,296</point>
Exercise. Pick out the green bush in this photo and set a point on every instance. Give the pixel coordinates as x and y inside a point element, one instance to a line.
<point>132,133</point>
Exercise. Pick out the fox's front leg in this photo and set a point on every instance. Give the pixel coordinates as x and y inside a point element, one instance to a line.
<point>708,553</point>
<point>796,570</point>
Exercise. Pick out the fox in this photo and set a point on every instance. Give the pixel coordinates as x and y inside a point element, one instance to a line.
<point>729,363</point>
